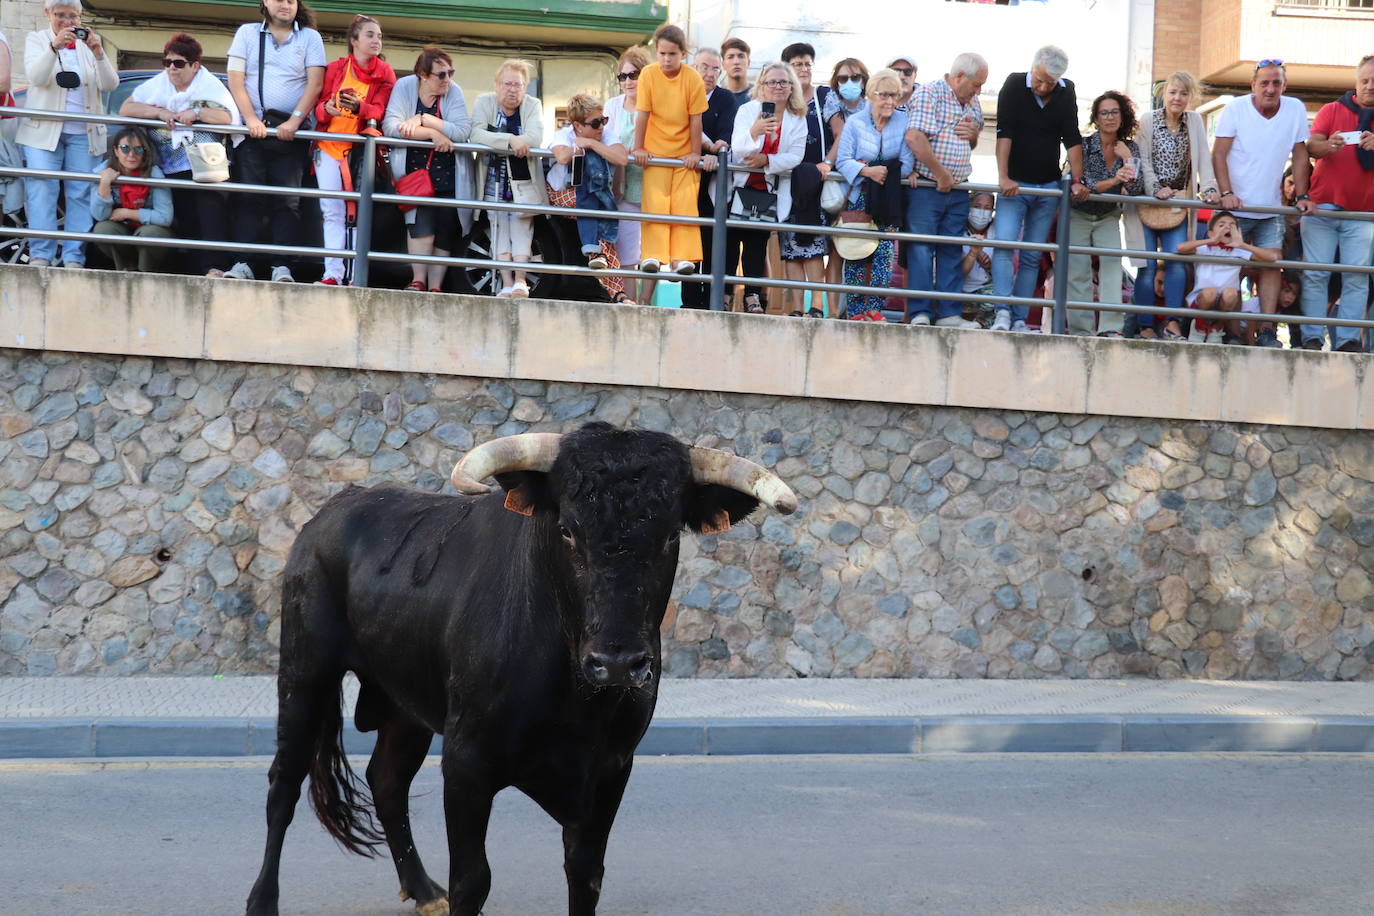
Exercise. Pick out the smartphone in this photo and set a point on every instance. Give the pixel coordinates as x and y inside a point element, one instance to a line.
<point>578,168</point>
<point>768,109</point>
<point>1350,136</point>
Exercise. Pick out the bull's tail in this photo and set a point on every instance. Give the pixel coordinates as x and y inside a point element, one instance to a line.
<point>341,800</point>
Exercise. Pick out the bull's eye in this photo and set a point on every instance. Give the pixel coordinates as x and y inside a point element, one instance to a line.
<point>565,533</point>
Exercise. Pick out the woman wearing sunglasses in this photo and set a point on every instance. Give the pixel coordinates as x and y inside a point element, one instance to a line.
<point>428,105</point>
<point>620,128</point>
<point>66,73</point>
<point>126,208</point>
<point>356,90</point>
<point>183,95</point>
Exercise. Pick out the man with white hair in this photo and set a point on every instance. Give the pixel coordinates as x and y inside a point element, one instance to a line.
<point>1037,110</point>
<point>942,130</point>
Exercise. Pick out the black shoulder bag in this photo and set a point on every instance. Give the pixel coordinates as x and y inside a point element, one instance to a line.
<point>272,117</point>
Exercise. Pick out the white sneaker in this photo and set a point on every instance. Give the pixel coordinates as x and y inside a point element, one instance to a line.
<point>1019,327</point>
<point>282,274</point>
<point>684,267</point>
<point>650,265</point>
<point>73,265</point>
<point>920,319</point>
<point>240,271</point>
<point>39,262</point>
<point>598,262</point>
<point>520,290</point>
<point>1002,322</point>
<point>954,321</point>
<point>505,293</point>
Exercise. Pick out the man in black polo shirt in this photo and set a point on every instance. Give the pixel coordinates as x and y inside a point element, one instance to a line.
<point>717,126</point>
<point>1036,112</point>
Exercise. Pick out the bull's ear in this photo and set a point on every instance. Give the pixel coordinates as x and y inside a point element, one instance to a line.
<point>712,508</point>
<point>527,492</point>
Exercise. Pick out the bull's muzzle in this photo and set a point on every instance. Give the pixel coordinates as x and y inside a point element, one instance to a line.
<point>618,668</point>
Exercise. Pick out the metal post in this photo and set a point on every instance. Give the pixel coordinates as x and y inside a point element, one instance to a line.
<point>722,179</point>
<point>1059,322</point>
<point>362,231</point>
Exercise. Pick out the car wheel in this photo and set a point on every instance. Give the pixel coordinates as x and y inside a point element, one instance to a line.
<point>485,281</point>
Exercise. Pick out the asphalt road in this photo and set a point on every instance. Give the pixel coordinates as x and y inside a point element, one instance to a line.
<point>1108,835</point>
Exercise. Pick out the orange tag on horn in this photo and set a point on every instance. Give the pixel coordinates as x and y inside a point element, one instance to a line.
<point>518,501</point>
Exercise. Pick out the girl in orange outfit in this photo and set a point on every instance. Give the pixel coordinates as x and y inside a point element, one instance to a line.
<point>671,100</point>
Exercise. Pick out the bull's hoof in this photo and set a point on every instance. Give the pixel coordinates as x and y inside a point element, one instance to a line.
<point>436,907</point>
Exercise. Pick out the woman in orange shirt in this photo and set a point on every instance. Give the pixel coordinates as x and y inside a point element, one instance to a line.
<point>671,100</point>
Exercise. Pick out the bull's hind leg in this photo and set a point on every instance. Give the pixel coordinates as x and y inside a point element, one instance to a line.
<point>301,708</point>
<point>400,751</point>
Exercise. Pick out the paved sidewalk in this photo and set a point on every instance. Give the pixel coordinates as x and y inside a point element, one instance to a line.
<point>234,716</point>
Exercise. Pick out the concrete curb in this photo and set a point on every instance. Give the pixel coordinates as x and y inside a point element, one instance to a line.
<point>241,737</point>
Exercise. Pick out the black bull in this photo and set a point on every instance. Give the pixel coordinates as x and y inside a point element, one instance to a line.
<point>524,631</point>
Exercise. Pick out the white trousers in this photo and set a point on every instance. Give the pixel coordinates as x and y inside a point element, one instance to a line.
<point>329,176</point>
<point>511,234</point>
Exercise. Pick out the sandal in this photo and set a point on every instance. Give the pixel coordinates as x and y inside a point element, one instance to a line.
<point>815,313</point>
<point>1169,333</point>
<point>622,298</point>
<point>795,314</point>
<point>415,286</point>
<point>752,305</point>
<point>214,273</point>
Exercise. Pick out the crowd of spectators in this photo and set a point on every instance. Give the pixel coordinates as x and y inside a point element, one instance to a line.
<point>867,148</point>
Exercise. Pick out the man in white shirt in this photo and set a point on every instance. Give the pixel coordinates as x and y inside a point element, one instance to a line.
<point>1255,136</point>
<point>276,72</point>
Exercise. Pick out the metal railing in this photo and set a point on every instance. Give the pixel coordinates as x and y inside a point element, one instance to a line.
<point>366,197</point>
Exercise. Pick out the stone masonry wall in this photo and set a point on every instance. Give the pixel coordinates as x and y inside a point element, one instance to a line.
<point>147,506</point>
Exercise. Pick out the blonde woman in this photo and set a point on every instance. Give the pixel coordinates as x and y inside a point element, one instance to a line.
<point>1174,162</point>
<point>509,119</point>
<point>773,140</point>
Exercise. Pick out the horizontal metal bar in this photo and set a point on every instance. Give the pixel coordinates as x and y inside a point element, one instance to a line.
<point>196,244</point>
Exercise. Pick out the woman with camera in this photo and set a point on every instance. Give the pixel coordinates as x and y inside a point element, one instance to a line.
<point>356,90</point>
<point>770,134</point>
<point>67,71</point>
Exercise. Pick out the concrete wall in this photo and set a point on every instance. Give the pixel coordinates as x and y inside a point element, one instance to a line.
<point>963,512</point>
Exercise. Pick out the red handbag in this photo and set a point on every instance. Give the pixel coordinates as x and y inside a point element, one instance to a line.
<point>415,184</point>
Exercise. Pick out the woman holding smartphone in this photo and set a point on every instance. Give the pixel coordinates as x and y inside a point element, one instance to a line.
<point>356,90</point>
<point>770,134</point>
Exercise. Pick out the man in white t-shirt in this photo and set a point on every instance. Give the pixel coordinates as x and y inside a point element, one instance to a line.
<point>1256,134</point>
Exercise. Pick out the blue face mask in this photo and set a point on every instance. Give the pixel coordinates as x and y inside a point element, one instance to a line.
<point>850,91</point>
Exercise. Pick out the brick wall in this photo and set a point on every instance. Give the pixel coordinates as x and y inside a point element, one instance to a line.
<point>1178,26</point>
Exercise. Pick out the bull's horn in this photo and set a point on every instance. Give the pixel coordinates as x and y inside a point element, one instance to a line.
<point>711,465</point>
<point>525,452</point>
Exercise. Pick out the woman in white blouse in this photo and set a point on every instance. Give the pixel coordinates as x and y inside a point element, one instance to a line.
<point>773,141</point>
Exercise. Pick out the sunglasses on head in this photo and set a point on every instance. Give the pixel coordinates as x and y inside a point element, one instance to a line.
<point>126,149</point>
<point>841,80</point>
<point>177,63</point>
<point>629,75</point>
<point>596,123</point>
<point>1275,62</point>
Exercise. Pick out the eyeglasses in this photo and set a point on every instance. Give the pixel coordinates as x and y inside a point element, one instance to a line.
<point>846,78</point>
<point>442,74</point>
<point>888,96</point>
<point>704,69</point>
<point>514,87</point>
<point>1109,113</point>
<point>175,63</point>
<point>595,123</point>
<point>777,84</point>
<point>627,75</point>
<point>905,71</point>
<point>126,149</point>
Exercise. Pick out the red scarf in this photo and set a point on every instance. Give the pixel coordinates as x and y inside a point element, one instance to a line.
<point>133,197</point>
<point>770,146</point>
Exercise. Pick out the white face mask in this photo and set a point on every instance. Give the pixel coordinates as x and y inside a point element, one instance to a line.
<point>979,219</point>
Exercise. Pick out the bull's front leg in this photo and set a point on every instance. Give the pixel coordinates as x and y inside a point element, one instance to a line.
<point>468,793</point>
<point>584,841</point>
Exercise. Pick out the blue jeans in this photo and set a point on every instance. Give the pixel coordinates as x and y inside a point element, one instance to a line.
<point>1322,238</point>
<point>1025,219</point>
<point>928,212</point>
<point>73,154</point>
<point>1175,274</point>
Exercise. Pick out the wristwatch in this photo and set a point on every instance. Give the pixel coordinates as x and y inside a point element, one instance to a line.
<point>296,113</point>
<point>196,111</point>
<point>1302,197</point>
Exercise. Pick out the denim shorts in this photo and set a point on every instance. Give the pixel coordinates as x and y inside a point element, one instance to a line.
<point>1262,233</point>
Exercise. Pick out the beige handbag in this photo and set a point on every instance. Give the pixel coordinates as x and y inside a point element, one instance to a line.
<point>209,161</point>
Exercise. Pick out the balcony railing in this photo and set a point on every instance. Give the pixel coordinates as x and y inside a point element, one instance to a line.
<point>1326,6</point>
